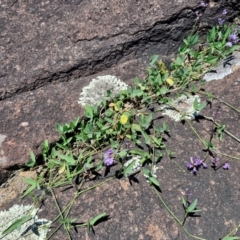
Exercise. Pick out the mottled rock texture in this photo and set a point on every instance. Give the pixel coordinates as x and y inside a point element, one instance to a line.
<point>134,210</point>
<point>49,50</point>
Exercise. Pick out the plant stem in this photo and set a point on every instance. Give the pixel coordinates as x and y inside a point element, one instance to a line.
<point>171,213</point>
<point>227,132</point>
<point>232,232</point>
<point>70,204</point>
<point>61,213</point>
<point>226,155</point>
<point>196,133</point>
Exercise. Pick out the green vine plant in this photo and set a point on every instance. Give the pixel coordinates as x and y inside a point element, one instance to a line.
<point>121,131</point>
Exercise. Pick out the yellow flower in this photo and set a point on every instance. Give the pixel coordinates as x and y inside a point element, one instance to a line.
<point>162,67</point>
<point>124,119</point>
<point>61,169</point>
<point>114,105</point>
<point>170,81</point>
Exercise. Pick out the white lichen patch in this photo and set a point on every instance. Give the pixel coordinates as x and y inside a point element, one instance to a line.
<point>153,172</point>
<point>96,91</point>
<point>16,212</point>
<point>223,68</point>
<point>137,165</point>
<point>3,158</point>
<point>181,107</point>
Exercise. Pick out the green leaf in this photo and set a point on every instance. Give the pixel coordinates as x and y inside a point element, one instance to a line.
<point>146,172</point>
<point>146,137</point>
<point>97,218</point>
<point>211,59</point>
<point>209,145</point>
<point>154,181</point>
<point>32,161</point>
<point>89,227</point>
<point>153,59</point>
<point>163,90</point>
<point>231,238</point>
<point>123,154</point>
<point>136,80</point>
<point>59,128</point>
<point>192,206</point>
<point>30,181</point>
<point>198,106</point>
<point>76,121</point>
<point>212,35</point>
<point>69,159</point>
<point>136,127</point>
<point>184,202</point>
<point>145,120</point>
<point>17,224</point>
<point>139,152</point>
<point>158,141</point>
<point>179,60</point>
<point>89,111</point>
<point>186,42</point>
<point>220,132</point>
<point>193,211</point>
<point>128,170</point>
<point>32,156</point>
<point>69,176</point>
<point>137,92</point>
<point>165,127</point>
<point>30,189</point>
<point>194,40</point>
<point>158,79</point>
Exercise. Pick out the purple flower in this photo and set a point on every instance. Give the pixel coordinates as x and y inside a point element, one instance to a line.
<point>189,166</point>
<point>195,164</point>
<point>224,12</point>
<point>226,166</point>
<point>221,21</point>
<point>109,152</point>
<point>198,162</point>
<point>204,165</point>
<point>234,38</point>
<point>198,14</point>
<point>108,157</point>
<point>203,4</point>
<point>229,44</point>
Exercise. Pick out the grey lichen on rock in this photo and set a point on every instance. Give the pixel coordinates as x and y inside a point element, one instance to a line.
<point>3,158</point>
<point>224,68</point>
<point>16,212</point>
<point>182,106</point>
<point>96,91</point>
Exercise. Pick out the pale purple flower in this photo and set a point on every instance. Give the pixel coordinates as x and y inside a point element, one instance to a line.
<point>226,166</point>
<point>204,165</point>
<point>198,162</point>
<point>203,4</point>
<point>198,14</point>
<point>229,44</point>
<point>224,11</point>
<point>189,166</point>
<point>195,164</point>
<point>108,157</point>
<point>234,38</point>
<point>221,21</point>
<point>194,170</point>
